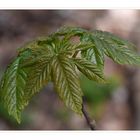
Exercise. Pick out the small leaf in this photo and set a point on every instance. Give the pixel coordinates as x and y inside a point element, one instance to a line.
<point>90,70</point>
<point>121,54</point>
<point>38,76</point>
<point>67,84</point>
<point>99,52</point>
<point>111,38</point>
<point>12,89</point>
<point>95,53</point>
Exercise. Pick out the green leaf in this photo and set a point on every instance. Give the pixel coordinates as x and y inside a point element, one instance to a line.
<point>95,53</point>
<point>12,89</point>
<point>99,52</point>
<point>35,48</point>
<point>38,75</point>
<point>113,39</point>
<point>89,69</point>
<point>89,55</point>
<point>66,83</point>
<point>121,55</point>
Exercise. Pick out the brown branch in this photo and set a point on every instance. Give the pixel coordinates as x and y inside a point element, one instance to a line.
<point>90,122</point>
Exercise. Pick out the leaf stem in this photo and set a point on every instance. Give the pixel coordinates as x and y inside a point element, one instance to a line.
<point>90,122</point>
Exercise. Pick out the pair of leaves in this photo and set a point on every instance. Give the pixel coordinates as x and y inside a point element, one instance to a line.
<point>58,59</point>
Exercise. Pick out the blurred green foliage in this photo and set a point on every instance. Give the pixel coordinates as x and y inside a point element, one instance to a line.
<point>97,94</point>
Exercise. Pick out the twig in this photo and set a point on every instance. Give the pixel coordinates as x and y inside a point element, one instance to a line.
<point>91,123</point>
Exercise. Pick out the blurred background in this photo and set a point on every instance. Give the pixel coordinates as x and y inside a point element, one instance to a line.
<point>114,106</point>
